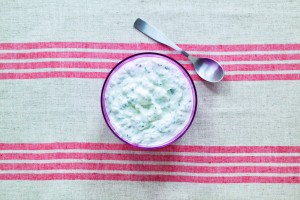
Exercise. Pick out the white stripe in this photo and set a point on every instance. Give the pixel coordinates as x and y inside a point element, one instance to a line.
<point>54,70</point>
<point>85,50</point>
<point>147,173</point>
<point>151,163</point>
<point>256,72</point>
<point>59,60</point>
<point>261,62</point>
<point>145,152</point>
<point>157,51</point>
<point>36,60</point>
<point>108,70</point>
<point>264,72</point>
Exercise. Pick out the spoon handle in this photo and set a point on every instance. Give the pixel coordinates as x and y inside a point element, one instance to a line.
<point>155,34</point>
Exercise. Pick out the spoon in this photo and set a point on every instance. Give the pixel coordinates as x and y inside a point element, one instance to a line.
<point>206,68</point>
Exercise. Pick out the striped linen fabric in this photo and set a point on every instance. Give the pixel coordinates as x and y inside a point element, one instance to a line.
<point>119,162</point>
<point>95,60</point>
<point>54,144</point>
<point>176,163</point>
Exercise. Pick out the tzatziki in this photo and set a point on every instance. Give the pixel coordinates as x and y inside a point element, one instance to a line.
<point>148,100</point>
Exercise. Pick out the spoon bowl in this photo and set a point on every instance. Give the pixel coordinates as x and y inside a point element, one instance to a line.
<point>208,69</point>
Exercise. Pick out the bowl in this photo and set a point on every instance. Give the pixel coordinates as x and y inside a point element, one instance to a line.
<point>148,100</point>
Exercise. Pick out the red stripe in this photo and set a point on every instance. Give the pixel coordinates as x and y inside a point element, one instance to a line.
<point>259,67</point>
<point>39,75</point>
<point>110,65</point>
<point>35,55</point>
<point>147,157</point>
<point>101,75</point>
<point>171,148</point>
<point>143,167</point>
<point>249,67</point>
<point>261,77</point>
<point>249,57</point>
<point>254,77</point>
<point>104,55</point>
<point>156,178</point>
<point>149,46</point>
<point>58,64</point>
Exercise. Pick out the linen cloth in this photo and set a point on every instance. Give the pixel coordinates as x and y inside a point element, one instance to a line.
<point>243,144</point>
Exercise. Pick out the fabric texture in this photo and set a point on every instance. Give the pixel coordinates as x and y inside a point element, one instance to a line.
<point>243,144</point>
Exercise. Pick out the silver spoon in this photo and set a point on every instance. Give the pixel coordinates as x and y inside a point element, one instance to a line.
<point>206,68</point>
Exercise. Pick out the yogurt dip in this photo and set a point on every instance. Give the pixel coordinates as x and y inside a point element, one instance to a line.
<point>148,100</point>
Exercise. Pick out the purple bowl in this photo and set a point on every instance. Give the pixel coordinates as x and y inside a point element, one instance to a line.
<point>133,57</point>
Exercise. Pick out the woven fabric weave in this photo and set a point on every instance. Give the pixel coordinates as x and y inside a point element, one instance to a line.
<point>243,144</point>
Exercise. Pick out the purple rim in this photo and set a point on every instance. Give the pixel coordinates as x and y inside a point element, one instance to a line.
<point>184,72</point>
